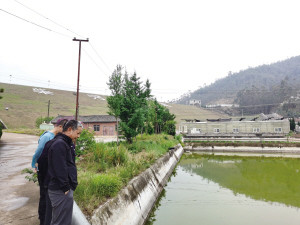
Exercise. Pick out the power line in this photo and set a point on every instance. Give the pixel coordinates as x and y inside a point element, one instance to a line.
<point>48,19</point>
<point>48,29</point>
<point>99,67</point>
<point>100,58</point>
<point>58,24</point>
<point>40,26</point>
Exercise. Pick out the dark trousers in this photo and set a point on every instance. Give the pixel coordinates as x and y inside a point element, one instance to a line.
<point>45,208</point>
<point>42,201</point>
<point>62,207</point>
<point>48,215</point>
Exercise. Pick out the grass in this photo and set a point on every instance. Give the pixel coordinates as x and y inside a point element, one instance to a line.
<point>25,106</point>
<point>37,132</point>
<point>106,168</point>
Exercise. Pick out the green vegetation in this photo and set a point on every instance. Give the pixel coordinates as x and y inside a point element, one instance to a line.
<point>292,124</point>
<point>41,120</point>
<point>1,91</point>
<point>131,102</point>
<point>263,85</point>
<point>269,179</point>
<point>106,168</point>
<point>37,132</point>
<point>32,176</point>
<point>85,142</point>
<point>0,130</point>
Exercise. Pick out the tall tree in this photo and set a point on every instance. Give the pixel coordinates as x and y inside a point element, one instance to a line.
<point>134,105</point>
<point>115,85</point>
<point>129,102</point>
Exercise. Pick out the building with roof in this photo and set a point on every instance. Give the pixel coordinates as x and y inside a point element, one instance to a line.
<point>102,125</point>
<point>272,125</point>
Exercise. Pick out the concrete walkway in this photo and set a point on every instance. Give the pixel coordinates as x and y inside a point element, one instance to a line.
<point>19,198</point>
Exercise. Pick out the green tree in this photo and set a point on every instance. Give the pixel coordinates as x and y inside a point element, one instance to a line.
<point>292,124</point>
<point>115,85</point>
<point>129,102</point>
<point>133,110</point>
<point>170,127</point>
<point>161,119</point>
<point>1,91</point>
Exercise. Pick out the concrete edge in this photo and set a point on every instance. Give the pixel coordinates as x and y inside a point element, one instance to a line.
<point>134,202</point>
<point>78,218</point>
<point>244,149</point>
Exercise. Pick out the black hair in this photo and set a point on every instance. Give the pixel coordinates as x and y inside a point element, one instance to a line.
<point>61,122</point>
<point>74,124</point>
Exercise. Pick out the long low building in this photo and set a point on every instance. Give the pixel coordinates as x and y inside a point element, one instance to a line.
<point>258,126</point>
<point>101,125</point>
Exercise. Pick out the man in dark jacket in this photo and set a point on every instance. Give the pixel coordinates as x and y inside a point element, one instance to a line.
<point>63,173</point>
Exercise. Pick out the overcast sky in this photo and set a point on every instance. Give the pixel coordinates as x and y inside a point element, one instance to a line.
<point>177,45</point>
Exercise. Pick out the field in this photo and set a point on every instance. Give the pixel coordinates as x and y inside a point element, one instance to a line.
<point>21,106</point>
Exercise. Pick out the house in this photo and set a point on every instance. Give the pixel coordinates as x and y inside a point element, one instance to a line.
<point>195,102</point>
<point>263,125</point>
<point>102,125</point>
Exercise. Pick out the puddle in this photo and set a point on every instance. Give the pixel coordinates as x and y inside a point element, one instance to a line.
<point>15,203</point>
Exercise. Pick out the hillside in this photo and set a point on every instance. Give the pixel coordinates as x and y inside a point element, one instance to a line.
<point>24,106</point>
<point>263,78</point>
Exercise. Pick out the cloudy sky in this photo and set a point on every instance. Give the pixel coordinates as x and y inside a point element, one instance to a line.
<point>178,45</point>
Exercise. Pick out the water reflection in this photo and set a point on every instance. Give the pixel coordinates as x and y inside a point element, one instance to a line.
<point>218,190</point>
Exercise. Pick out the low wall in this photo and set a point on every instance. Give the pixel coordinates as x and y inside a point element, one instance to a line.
<point>244,149</point>
<point>134,203</point>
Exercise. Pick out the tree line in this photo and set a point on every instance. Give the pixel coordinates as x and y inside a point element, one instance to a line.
<point>264,78</point>
<point>263,100</point>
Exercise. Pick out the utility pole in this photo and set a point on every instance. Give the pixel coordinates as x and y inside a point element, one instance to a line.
<point>48,107</point>
<point>77,95</point>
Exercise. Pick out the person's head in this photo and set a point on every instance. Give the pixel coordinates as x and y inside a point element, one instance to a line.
<point>72,129</point>
<point>58,127</point>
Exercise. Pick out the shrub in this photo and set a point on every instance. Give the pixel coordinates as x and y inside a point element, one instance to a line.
<point>170,127</point>
<point>106,185</point>
<point>40,120</point>
<point>0,130</point>
<point>107,156</point>
<point>86,141</point>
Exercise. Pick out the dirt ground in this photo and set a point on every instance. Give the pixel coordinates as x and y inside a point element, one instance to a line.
<point>19,198</point>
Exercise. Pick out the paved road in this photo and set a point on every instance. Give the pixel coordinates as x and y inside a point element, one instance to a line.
<point>18,197</point>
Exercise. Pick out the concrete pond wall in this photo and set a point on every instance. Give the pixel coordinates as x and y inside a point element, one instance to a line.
<point>244,149</point>
<point>134,203</point>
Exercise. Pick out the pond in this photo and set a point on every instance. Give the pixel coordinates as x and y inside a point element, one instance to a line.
<point>231,190</point>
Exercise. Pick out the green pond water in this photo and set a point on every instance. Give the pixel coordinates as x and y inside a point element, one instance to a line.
<point>211,190</point>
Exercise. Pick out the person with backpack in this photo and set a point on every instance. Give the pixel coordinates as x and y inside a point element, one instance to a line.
<point>62,173</point>
<point>44,138</point>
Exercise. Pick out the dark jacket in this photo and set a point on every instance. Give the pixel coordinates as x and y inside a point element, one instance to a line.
<point>61,164</point>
